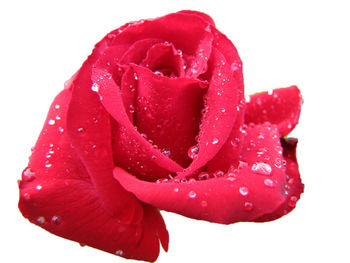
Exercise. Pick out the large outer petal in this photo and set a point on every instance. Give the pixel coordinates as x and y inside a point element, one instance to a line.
<point>281,107</point>
<point>242,195</point>
<point>57,194</point>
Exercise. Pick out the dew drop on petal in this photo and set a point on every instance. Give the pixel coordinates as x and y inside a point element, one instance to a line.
<point>248,206</point>
<point>26,196</point>
<point>40,220</point>
<point>192,194</point>
<point>51,122</point>
<point>293,201</point>
<point>119,252</point>
<point>28,175</point>
<point>218,173</point>
<point>38,187</point>
<point>193,152</point>
<point>215,141</point>
<point>203,176</point>
<point>56,220</point>
<point>95,87</point>
<point>262,168</point>
<point>243,190</point>
<point>269,183</point>
<point>176,189</point>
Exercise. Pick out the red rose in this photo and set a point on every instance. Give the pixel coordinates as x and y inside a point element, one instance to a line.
<point>156,119</point>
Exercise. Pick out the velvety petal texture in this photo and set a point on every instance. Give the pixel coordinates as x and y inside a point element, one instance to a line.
<point>156,118</point>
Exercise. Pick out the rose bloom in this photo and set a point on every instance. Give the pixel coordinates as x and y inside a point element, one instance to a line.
<point>156,119</point>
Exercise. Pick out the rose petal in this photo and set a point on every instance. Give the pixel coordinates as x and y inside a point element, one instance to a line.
<point>137,51</point>
<point>229,153</point>
<point>221,111</point>
<point>57,194</point>
<point>281,107</point>
<point>139,147</point>
<point>185,32</point>
<point>205,17</point>
<point>168,112</point>
<point>244,194</point>
<point>89,130</point>
<point>293,187</point>
<point>163,59</point>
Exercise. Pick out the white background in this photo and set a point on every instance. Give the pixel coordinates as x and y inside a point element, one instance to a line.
<point>281,44</point>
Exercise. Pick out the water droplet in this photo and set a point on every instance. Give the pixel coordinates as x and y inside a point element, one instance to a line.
<point>223,110</point>
<point>231,178</point>
<point>119,252</point>
<point>242,165</point>
<point>51,122</point>
<point>193,152</point>
<point>269,183</point>
<point>278,163</point>
<point>28,175</point>
<point>158,73</point>
<point>26,196</point>
<point>204,203</point>
<point>215,141</point>
<point>247,99</point>
<point>203,176</point>
<point>243,190</point>
<point>56,220</point>
<point>176,189</point>
<point>166,152</point>
<point>60,129</point>
<point>48,165</point>
<point>248,206</point>
<point>95,87</point>
<point>38,187</point>
<point>218,173</point>
<point>262,168</point>
<point>80,130</point>
<point>192,194</point>
<point>40,220</point>
<point>57,107</point>
<point>293,201</point>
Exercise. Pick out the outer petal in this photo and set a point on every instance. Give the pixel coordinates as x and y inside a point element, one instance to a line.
<point>245,194</point>
<point>293,187</point>
<point>281,107</point>
<point>57,194</point>
<point>89,129</point>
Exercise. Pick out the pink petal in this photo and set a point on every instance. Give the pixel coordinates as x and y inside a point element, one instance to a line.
<point>138,147</point>
<point>168,112</point>
<point>281,107</point>
<point>221,111</point>
<point>163,59</point>
<point>243,194</point>
<point>88,126</point>
<point>57,194</point>
<point>293,187</point>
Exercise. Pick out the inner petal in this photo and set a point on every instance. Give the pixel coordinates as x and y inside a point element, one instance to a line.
<point>168,112</point>
<point>164,59</point>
